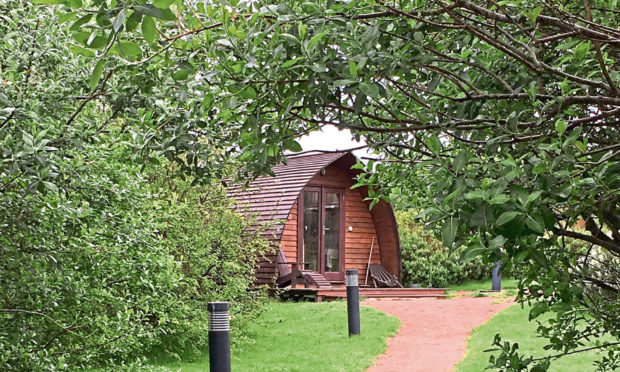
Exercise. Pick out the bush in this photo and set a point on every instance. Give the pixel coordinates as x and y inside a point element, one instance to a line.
<point>427,262</point>
<point>117,266</point>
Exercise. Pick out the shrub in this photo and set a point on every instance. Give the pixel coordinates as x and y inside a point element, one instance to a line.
<point>427,262</point>
<point>117,266</point>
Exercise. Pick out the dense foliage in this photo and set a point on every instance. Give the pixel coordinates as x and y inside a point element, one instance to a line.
<point>103,260</point>
<point>498,118</point>
<point>427,262</point>
<point>116,268</point>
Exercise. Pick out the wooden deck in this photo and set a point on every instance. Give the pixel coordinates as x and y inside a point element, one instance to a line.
<point>337,292</point>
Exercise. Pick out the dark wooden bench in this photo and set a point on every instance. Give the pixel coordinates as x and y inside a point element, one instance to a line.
<point>382,278</point>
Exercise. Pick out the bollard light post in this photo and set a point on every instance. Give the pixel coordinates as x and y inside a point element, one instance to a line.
<point>496,278</point>
<point>219,337</point>
<point>353,302</point>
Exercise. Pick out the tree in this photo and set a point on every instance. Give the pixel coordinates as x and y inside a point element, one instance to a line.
<point>106,256</point>
<point>500,118</point>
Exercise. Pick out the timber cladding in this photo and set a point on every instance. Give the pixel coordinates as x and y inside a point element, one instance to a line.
<point>276,200</point>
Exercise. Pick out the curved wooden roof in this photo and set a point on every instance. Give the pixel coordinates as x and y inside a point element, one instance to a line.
<point>271,198</point>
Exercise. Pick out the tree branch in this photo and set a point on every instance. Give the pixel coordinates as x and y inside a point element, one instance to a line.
<point>94,95</point>
<point>608,244</point>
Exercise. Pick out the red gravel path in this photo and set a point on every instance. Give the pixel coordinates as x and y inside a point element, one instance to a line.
<point>433,334</point>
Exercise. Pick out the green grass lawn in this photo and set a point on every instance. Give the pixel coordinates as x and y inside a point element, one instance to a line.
<point>514,326</point>
<point>306,337</point>
<point>482,288</point>
<point>483,285</point>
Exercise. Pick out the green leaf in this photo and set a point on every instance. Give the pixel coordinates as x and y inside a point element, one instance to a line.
<point>475,195</point>
<point>81,51</point>
<point>291,62</point>
<point>167,15</point>
<point>535,225</point>
<point>582,49</point>
<point>472,252</point>
<point>224,42</point>
<point>50,186</point>
<point>74,3</point>
<point>434,144</point>
<point>532,197</point>
<point>452,195</point>
<point>119,21</point>
<point>353,68</point>
<point>499,199</point>
<point>130,49</point>
<point>96,75</point>
<point>560,126</point>
<point>538,309</point>
<point>344,82</point>
<point>459,161</point>
<point>497,242</point>
<point>181,75</point>
<point>163,4</point>
<point>81,21</point>
<point>149,10</point>
<point>66,17</point>
<point>290,37</point>
<point>133,21</point>
<point>48,2</point>
<point>506,217</point>
<point>482,217</point>
<point>581,146</point>
<point>293,146</point>
<point>533,14</point>
<point>448,232</point>
<point>248,93</point>
<point>149,31</point>
<point>315,39</point>
<point>97,42</point>
<point>520,192</point>
<point>540,168</point>
<point>369,89</point>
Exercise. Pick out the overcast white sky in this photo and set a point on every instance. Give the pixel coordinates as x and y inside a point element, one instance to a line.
<point>332,139</point>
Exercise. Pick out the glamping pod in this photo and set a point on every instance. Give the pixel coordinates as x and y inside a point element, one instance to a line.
<point>320,226</point>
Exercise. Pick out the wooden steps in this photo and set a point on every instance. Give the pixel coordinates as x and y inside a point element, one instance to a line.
<point>316,279</point>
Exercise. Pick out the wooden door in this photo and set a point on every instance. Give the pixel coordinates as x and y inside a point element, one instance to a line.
<point>321,235</point>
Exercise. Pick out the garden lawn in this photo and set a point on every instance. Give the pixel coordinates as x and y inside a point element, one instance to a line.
<point>306,337</point>
<point>483,285</point>
<point>514,326</point>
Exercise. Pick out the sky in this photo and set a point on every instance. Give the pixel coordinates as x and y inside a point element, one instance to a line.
<point>331,138</point>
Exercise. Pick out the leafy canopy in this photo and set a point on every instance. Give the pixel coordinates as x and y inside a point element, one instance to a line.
<point>107,258</point>
<point>499,118</point>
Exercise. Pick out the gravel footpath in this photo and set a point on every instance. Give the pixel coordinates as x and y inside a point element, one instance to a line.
<point>433,332</point>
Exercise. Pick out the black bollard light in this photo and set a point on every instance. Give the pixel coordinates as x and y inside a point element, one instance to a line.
<point>496,278</point>
<point>353,302</point>
<point>219,337</point>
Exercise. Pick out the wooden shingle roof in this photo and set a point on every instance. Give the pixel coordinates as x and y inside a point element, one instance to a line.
<point>271,198</point>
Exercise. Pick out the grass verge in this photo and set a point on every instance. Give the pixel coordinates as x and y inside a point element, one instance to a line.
<point>483,285</point>
<point>514,326</point>
<point>481,288</point>
<point>305,337</point>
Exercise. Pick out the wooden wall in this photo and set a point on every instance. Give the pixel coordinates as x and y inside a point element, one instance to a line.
<point>358,241</point>
<point>357,216</point>
<point>288,243</point>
